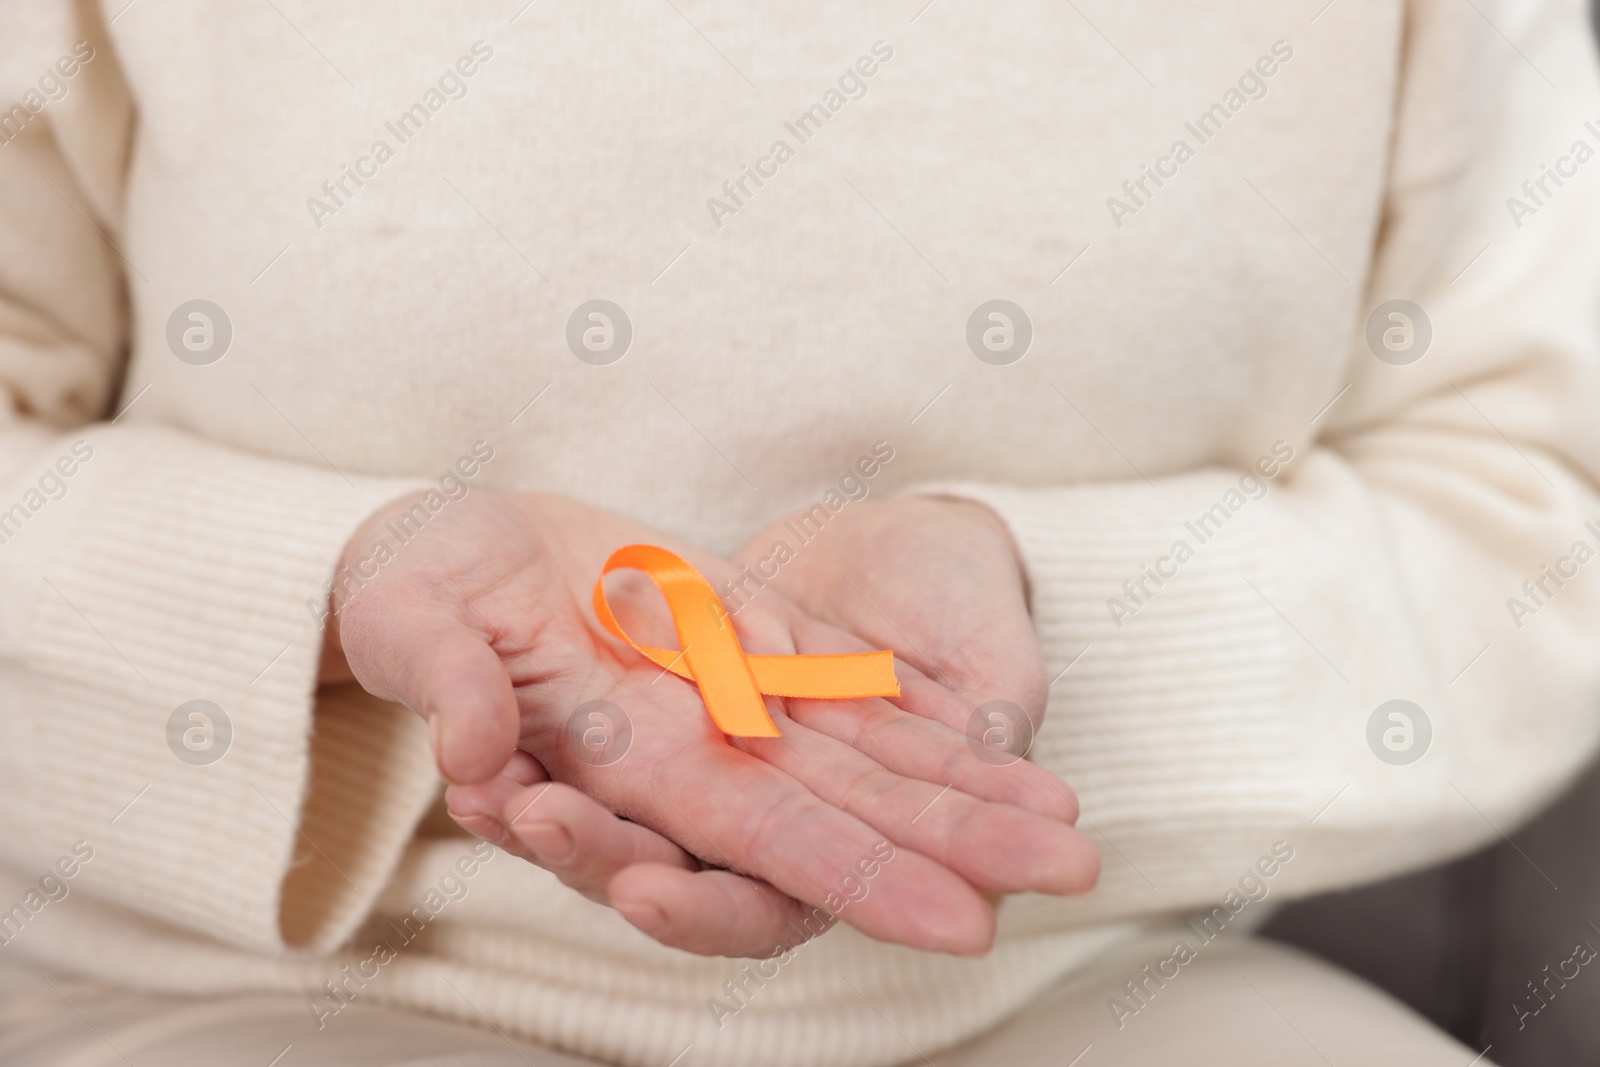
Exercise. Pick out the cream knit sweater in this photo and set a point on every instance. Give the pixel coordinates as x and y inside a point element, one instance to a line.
<point>1191,311</point>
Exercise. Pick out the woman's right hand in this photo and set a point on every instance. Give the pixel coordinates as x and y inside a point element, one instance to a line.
<point>480,623</point>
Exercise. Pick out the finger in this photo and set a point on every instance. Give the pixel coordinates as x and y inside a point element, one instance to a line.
<point>581,842</point>
<point>476,808</point>
<point>555,827</point>
<point>998,848</point>
<point>736,811</point>
<point>996,773</point>
<point>714,912</point>
<point>919,748</point>
<point>654,884</point>
<point>421,654</point>
<point>928,733</point>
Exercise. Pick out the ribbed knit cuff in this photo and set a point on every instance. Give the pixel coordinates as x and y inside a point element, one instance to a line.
<point>372,781</point>
<point>176,571</point>
<point>1167,710</point>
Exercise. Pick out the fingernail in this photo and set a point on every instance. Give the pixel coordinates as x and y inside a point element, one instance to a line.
<point>645,915</point>
<point>550,841</point>
<point>485,826</point>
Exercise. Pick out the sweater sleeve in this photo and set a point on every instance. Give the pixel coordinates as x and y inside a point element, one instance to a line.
<point>142,569</point>
<point>1240,629</point>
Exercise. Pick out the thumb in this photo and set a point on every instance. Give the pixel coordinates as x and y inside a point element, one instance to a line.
<point>425,656</point>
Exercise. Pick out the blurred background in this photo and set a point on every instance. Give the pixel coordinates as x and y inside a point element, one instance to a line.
<point>1467,944</point>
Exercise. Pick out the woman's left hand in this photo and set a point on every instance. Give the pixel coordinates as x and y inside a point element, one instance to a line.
<point>937,580</point>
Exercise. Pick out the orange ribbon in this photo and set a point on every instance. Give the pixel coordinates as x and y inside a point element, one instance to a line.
<point>731,681</point>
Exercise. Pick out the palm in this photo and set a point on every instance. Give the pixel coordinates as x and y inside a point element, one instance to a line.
<point>937,583</point>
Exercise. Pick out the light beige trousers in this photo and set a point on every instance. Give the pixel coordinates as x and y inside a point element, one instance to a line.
<point>1242,1003</point>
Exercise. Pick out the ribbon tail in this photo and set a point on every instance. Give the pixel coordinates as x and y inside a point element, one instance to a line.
<point>829,677</point>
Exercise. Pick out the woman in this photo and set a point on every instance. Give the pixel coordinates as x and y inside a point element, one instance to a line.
<point>1184,387</point>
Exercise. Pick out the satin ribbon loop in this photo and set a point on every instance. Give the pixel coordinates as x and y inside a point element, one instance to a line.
<point>731,681</point>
